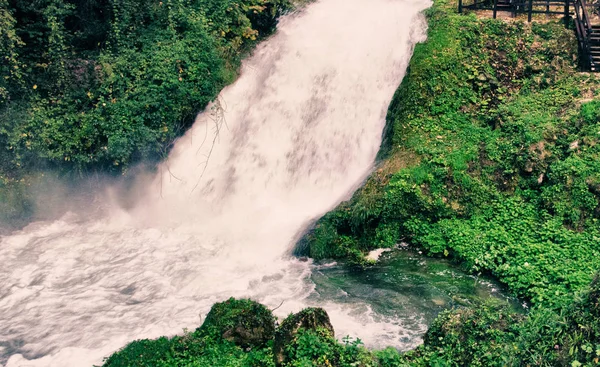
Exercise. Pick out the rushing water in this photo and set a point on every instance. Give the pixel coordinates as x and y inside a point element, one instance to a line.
<point>403,293</point>
<point>296,133</point>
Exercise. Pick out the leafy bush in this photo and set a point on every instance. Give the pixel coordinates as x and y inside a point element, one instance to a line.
<point>107,83</point>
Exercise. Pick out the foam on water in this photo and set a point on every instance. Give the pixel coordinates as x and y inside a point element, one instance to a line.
<point>297,132</point>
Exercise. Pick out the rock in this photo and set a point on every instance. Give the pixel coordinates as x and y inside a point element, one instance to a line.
<point>246,323</point>
<point>376,254</point>
<point>307,319</point>
<point>574,145</point>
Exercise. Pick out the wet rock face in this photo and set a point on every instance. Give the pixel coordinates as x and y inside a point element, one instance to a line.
<point>246,323</point>
<point>308,319</point>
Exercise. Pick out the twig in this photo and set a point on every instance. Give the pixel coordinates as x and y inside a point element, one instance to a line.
<point>278,306</point>
<point>219,119</point>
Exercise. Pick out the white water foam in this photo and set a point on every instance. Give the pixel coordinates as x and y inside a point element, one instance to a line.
<point>298,131</point>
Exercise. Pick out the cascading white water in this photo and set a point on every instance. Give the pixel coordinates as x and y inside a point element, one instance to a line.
<point>298,131</point>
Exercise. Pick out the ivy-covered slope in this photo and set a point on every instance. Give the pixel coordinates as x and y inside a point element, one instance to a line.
<point>491,156</point>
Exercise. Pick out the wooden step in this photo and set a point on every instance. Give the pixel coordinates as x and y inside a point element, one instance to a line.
<point>543,3</point>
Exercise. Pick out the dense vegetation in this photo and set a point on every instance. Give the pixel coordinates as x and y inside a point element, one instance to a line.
<point>97,85</point>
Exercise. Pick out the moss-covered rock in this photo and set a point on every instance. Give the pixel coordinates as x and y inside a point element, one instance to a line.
<point>244,322</point>
<point>315,319</point>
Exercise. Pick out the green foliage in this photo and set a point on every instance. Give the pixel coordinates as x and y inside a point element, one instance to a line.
<point>14,202</point>
<point>141,353</point>
<point>207,346</point>
<point>99,85</point>
<point>107,83</point>
<point>319,348</point>
<point>10,68</point>
<point>491,336</point>
<point>189,350</point>
<point>474,337</point>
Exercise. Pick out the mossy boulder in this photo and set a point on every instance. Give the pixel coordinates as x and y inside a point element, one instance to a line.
<point>315,319</point>
<point>244,322</point>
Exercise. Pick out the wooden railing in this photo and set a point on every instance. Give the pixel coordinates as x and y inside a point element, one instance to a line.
<point>474,5</point>
<point>529,7</point>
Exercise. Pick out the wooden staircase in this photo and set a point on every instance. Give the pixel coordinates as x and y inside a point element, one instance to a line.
<point>588,36</point>
<point>595,48</point>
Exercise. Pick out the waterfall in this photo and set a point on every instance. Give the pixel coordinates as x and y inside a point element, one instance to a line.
<point>290,139</point>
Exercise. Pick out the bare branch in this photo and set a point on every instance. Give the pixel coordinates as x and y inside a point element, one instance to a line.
<point>278,306</point>
<point>218,117</point>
